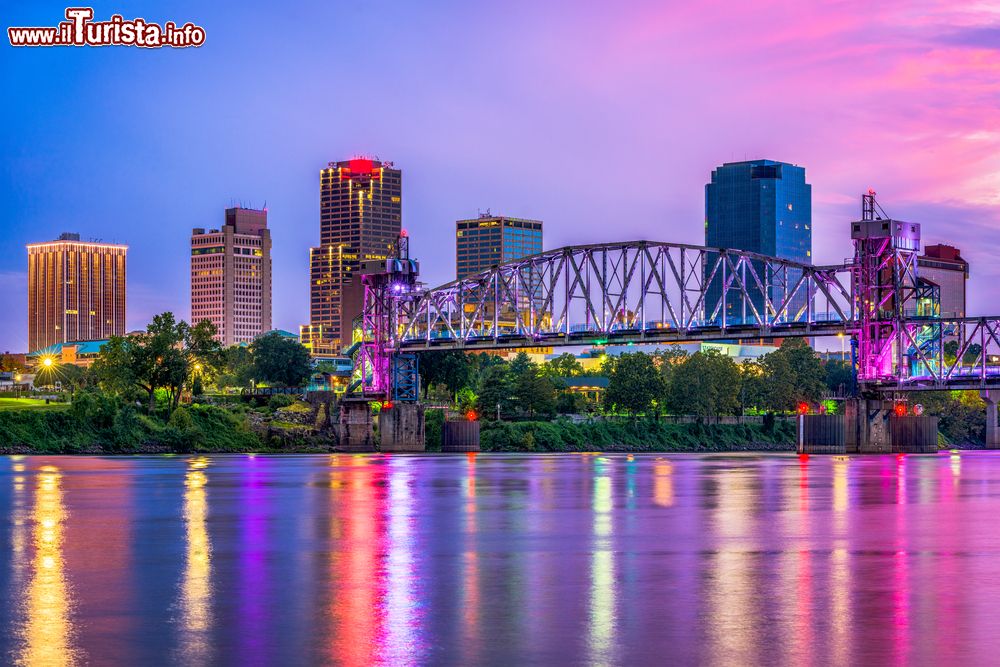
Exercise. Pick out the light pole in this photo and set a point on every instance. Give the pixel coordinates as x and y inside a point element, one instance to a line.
<point>843,351</point>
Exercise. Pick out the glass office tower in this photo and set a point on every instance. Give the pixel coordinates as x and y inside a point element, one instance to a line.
<point>765,207</point>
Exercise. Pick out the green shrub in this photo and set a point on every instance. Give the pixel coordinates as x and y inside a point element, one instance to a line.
<point>433,426</point>
<point>279,401</point>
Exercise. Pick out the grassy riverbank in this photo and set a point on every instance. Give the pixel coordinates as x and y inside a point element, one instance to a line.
<point>97,427</point>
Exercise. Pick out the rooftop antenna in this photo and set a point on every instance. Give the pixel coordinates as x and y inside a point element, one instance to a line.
<point>870,208</point>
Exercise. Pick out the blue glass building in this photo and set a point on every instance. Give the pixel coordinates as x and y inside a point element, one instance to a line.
<point>762,206</point>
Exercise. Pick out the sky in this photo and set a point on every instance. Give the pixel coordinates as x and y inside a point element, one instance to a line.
<point>604,120</point>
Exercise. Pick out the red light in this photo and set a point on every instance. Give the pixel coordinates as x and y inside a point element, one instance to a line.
<point>360,166</point>
<point>471,415</point>
<point>387,405</point>
<point>900,409</point>
<point>803,408</point>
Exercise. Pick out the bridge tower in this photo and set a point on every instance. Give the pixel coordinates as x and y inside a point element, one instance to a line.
<point>884,283</point>
<point>389,289</point>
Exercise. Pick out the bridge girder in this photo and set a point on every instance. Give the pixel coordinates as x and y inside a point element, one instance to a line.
<point>640,290</point>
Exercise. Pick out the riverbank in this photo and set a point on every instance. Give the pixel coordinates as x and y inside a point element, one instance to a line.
<point>98,429</point>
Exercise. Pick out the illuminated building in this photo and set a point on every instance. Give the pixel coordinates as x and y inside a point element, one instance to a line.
<point>76,291</point>
<point>943,266</point>
<point>494,239</point>
<point>761,206</point>
<point>360,220</point>
<point>231,276</point>
<point>489,240</point>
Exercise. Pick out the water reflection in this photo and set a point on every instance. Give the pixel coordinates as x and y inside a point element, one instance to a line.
<point>196,585</point>
<point>402,618</point>
<point>366,560</point>
<point>602,567</point>
<point>48,632</point>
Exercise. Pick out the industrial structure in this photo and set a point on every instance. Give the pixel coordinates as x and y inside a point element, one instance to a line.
<point>231,276</point>
<point>76,291</point>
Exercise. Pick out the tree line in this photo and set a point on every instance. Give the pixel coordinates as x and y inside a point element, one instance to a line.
<point>670,381</point>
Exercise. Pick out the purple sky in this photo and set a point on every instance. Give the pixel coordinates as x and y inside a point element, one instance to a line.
<point>603,120</point>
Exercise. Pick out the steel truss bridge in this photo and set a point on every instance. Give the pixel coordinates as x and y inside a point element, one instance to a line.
<point>653,292</point>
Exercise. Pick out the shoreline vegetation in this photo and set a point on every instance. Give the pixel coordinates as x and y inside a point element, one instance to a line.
<point>173,389</point>
<point>95,425</point>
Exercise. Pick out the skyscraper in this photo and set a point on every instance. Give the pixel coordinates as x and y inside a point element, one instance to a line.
<point>76,291</point>
<point>494,239</point>
<point>231,276</point>
<point>360,220</point>
<point>761,206</point>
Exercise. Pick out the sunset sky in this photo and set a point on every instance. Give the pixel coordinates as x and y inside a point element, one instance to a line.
<point>604,120</point>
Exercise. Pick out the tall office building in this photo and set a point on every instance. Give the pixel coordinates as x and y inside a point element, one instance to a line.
<point>76,291</point>
<point>761,206</point>
<point>360,220</point>
<point>494,239</point>
<point>231,276</point>
<point>944,267</point>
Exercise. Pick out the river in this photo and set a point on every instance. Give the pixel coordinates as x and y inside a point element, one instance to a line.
<point>500,559</point>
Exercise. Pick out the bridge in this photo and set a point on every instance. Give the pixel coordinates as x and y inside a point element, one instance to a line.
<point>657,292</point>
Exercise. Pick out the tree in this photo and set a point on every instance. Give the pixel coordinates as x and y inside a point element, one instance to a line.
<point>162,357</point>
<point>533,393</point>
<point>279,360</point>
<point>451,368</point>
<point>235,367</point>
<point>634,383</point>
<point>565,365</point>
<point>779,391</point>
<point>495,391</point>
<point>839,376</point>
<point>705,384</point>
<point>793,373</point>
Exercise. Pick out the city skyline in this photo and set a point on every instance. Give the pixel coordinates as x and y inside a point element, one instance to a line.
<point>139,170</point>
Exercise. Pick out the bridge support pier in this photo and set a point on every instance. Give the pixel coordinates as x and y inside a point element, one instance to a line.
<point>401,428</point>
<point>356,426</point>
<point>990,396</point>
<point>867,427</point>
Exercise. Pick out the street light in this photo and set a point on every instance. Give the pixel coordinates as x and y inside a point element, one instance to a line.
<point>843,351</point>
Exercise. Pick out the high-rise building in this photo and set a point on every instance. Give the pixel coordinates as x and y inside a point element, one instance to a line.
<point>76,291</point>
<point>494,239</point>
<point>231,276</point>
<point>943,266</point>
<point>360,220</point>
<point>761,206</point>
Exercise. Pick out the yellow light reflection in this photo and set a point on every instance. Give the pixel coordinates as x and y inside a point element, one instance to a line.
<point>48,632</point>
<point>602,568</point>
<point>196,587</point>
<point>663,483</point>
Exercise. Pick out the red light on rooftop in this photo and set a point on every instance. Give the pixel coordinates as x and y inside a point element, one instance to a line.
<point>900,409</point>
<point>471,415</point>
<point>360,167</point>
<point>803,408</point>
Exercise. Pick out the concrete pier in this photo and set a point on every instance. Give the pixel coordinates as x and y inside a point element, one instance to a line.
<point>867,427</point>
<point>356,433</point>
<point>401,428</point>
